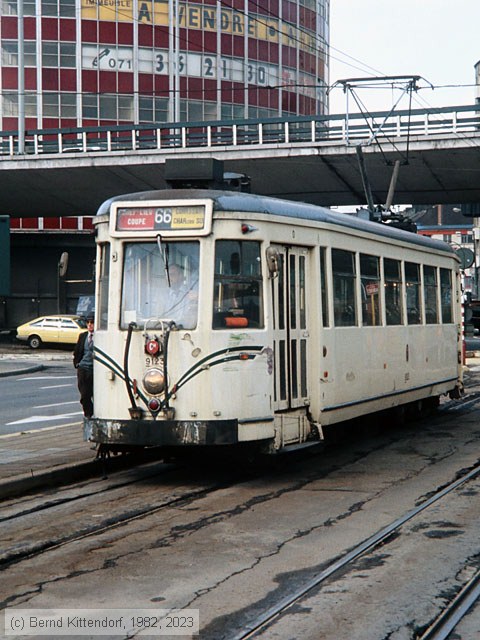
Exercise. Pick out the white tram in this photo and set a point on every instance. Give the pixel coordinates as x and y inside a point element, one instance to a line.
<point>227,318</point>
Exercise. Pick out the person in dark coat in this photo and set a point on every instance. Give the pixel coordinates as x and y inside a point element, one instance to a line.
<point>83,363</point>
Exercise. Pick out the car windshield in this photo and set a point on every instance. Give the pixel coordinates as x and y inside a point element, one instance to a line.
<point>160,282</point>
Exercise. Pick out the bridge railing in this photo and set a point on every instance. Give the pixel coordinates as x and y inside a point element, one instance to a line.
<point>351,129</point>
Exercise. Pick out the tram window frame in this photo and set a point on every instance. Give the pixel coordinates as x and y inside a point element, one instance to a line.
<point>412,292</point>
<point>430,294</point>
<point>324,287</point>
<point>344,278</point>
<point>369,277</point>
<point>393,289</point>
<point>103,285</point>
<point>237,285</point>
<point>446,295</point>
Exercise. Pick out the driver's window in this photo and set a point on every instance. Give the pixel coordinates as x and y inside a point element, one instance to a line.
<point>237,300</point>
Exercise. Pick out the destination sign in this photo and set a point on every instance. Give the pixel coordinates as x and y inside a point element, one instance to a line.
<point>171,218</point>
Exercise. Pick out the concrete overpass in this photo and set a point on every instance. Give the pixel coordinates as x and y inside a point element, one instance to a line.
<point>72,171</point>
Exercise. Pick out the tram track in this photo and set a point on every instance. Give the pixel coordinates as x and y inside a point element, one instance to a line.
<point>452,613</point>
<point>8,559</point>
<point>34,506</point>
<point>112,517</point>
<point>46,510</point>
<point>455,611</point>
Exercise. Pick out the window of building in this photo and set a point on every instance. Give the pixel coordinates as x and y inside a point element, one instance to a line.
<point>50,105</point>
<point>63,8</point>
<point>10,53</point>
<point>344,298</point>
<point>68,105</point>
<point>89,106</point>
<point>9,104</point>
<point>58,54</point>
<point>10,7</point>
<point>30,104</point>
<point>125,108</point>
<point>108,107</point>
<point>67,55</point>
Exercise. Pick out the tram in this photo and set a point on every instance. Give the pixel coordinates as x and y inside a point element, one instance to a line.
<point>226,318</point>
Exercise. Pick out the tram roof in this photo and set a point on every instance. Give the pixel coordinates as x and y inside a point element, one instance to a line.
<point>235,201</point>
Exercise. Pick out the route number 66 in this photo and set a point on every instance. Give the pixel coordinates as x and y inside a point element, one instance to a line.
<point>163,216</point>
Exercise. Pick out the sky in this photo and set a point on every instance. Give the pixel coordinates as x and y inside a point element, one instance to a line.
<point>436,39</point>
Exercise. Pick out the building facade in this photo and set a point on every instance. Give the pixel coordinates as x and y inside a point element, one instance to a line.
<point>448,224</point>
<point>104,62</point>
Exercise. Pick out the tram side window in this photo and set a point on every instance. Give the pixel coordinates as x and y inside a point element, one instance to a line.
<point>344,299</point>
<point>393,291</point>
<point>412,283</point>
<point>323,284</point>
<point>430,294</point>
<point>446,295</point>
<point>103,286</point>
<point>370,279</point>
<point>237,297</point>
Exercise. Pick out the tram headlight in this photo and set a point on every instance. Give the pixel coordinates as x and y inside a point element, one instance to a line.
<point>154,381</point>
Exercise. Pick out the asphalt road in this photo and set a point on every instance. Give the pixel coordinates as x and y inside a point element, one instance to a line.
<point>40,400</point>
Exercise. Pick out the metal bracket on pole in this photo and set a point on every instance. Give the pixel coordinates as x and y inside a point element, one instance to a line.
<point>406,84</point>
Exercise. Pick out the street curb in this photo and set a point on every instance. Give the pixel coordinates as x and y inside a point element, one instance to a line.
<point>43,479</point>
<point>19,372</point>
<point>76,472</point>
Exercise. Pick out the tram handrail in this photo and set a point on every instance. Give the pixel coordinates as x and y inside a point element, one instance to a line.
<point>348,129</point>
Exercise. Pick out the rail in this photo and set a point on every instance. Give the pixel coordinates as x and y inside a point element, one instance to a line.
<point>346,129</point>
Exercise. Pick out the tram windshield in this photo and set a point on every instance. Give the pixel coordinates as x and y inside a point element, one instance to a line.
<point>160,282</point>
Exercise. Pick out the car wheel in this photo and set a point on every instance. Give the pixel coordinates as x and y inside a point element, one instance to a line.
<point>34,342</point>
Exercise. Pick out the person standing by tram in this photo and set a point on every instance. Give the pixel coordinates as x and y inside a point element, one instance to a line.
<point>83,363</point>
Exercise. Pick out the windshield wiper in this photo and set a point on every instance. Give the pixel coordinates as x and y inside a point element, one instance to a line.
<point>163,249</point>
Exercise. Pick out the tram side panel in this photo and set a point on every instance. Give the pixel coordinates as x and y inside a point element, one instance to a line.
<point>365,369</point>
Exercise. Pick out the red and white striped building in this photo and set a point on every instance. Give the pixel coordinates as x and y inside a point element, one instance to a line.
<point>100,62</point>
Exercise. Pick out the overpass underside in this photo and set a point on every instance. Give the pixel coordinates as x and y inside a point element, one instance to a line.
<point>442,170</point>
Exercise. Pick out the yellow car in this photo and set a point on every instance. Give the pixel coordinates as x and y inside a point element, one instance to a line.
<point>59,329</point>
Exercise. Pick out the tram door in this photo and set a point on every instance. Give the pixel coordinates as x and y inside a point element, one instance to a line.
<point>290,333</point>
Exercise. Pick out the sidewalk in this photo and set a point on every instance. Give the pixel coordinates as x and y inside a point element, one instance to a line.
<point>16,359</point>
<point>37,458</point>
